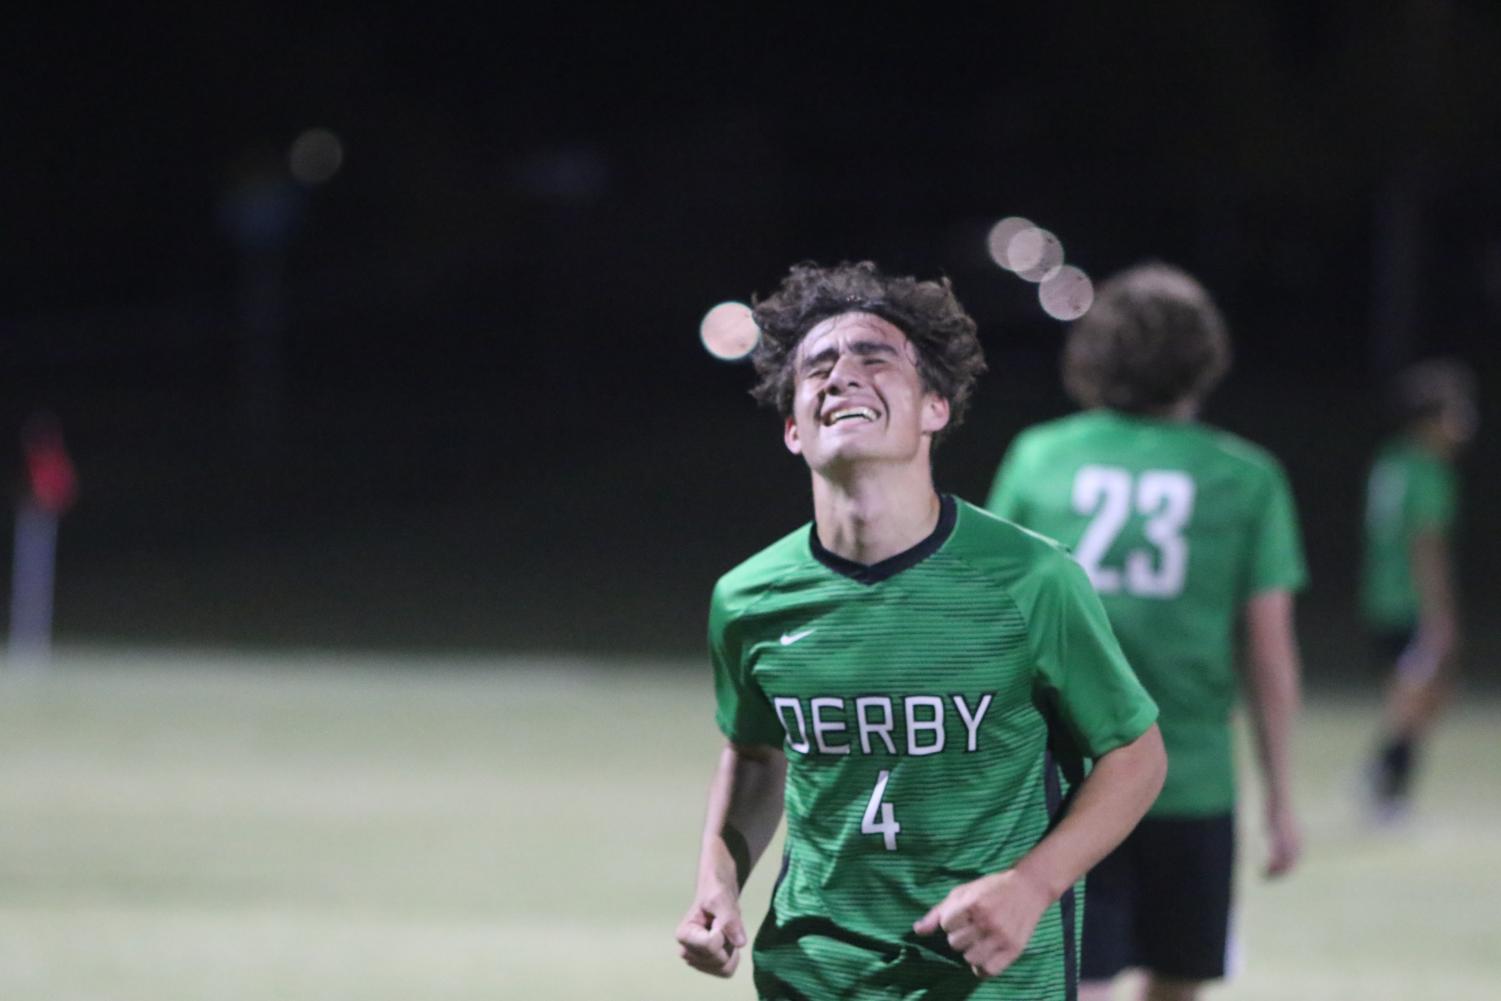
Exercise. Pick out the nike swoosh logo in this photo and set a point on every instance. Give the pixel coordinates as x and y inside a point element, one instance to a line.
<point>790,638</point>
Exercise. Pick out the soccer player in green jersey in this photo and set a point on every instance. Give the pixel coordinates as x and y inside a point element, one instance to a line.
<point>1188,533</point>
<point>918,683</point>
<point>1408,593</point>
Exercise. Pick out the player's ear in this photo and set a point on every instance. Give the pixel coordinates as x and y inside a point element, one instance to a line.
<point>935,413</point>
<point>789,437</point>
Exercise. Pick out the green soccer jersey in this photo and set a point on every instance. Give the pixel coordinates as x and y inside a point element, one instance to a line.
<point>1177,524</point>
<point>927,705</point>
<point>1410,491</point>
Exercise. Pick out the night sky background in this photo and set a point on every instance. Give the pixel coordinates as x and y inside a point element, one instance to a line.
<point>453,397</point>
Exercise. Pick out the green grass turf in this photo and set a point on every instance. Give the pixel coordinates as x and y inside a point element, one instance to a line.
<point>231,827</point>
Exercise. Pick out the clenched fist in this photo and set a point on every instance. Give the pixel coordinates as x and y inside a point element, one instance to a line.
<point>990,920</point>
<point>712,935</point>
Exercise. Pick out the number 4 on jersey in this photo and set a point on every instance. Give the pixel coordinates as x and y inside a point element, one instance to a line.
<point>887,825</point>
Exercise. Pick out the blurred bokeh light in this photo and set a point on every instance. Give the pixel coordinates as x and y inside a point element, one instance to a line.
<point>728,331</point>
<point>316,156</point>
<point>999,239</point>
<point>1035,254</point>
<point>1067,295</point>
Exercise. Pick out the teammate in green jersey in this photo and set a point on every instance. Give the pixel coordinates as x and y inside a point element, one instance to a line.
<point>1187,532</point>
<point>919,683</point>
<point>1408,594</point>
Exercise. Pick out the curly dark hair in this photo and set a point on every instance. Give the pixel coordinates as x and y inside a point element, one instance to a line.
<point>1152,338</point>
<point>949,357</point>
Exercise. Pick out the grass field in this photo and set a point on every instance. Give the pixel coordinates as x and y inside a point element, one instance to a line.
<point>229,827</point>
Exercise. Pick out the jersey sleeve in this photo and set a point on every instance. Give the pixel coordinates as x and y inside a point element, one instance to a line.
<point>1276,549</point>
<point>1431,500</point>
<point>1081,673</point>
<point>1006,499</point>
<point>743,714</point>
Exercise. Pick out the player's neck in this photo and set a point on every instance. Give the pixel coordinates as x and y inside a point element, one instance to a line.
<point>1182,412</point>
<point>876,514</point>
<point>1432,439</point>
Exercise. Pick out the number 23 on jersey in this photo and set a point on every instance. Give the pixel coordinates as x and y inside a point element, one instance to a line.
<point>1110,496</point>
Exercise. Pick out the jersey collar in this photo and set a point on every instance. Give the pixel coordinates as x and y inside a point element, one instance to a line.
<point>874,573</point>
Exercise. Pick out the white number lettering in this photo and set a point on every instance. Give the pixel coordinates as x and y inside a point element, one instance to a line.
<point>1105,493</point>
<point>1165,498</point>
<point>887,826</point>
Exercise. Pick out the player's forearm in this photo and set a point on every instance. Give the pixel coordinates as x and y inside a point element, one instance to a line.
<point>745,805</point>
<point>1116,794</point>
<point>1274,705</point>
<point>1273,672</point>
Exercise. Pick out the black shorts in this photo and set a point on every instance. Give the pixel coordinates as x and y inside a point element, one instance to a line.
<point>1161,901</point>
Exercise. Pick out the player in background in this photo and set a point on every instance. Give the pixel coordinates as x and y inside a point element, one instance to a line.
<point>49,489</point>
<point>1408,594</point>
<point>918,682</point>
<point>1189,535</point>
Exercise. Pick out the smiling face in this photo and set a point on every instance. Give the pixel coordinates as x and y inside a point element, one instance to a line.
<point>859,397</point>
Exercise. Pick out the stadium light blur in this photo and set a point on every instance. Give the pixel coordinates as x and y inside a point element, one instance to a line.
<point>1035,254</point>
<point>1067,295</point>
<point>316,156</point>
<point>999,239</point>
<point>728,331</point>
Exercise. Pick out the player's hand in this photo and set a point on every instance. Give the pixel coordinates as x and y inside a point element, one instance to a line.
<point>1284,842</point>
<point>990,920</point>
<point>712,935</point>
